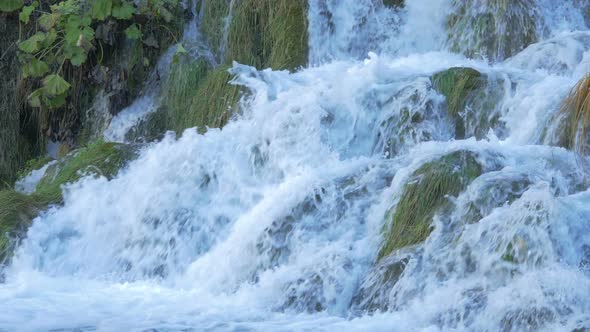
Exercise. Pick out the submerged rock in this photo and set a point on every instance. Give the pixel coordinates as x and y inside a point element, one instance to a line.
<point>374,292</point>
<point>395,4</point>
<point>415,117</point>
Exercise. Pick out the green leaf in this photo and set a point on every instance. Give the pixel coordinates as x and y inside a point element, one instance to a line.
<point>66,7</point>
<point>123,12</point>
<point>101,9</point>
<point>76,27</point>
<point>180,51</point>
<point>10,5</point>
<point>25,14</point>
<point>55,85</point>
<point>35,68</point>
<point>55,101</point>
<point>33,44</point>
<point>48,21</point>
<point>133,32</point>
<point>50,38</point>
<point>35,97</point>
<point>77,55</point>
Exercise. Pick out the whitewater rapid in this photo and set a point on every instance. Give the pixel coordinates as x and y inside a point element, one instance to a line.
<point>274,222</point>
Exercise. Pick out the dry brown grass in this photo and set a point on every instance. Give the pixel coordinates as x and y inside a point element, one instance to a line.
<point>576,109</point>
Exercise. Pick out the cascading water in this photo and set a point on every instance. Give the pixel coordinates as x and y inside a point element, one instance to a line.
<point>147,102</point>
<point>275,222</point>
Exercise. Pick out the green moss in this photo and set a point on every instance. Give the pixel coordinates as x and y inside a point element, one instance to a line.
<point>100,158</point>
<point>213,102</point>
<point>16,212</point>
<point>456,84</point>
<point>425,194</point>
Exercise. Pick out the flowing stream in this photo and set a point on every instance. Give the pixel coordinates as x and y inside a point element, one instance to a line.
<point>275,222</point>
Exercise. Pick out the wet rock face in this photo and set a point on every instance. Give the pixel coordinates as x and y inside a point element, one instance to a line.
<point>492,29</point>
<point>15,147</point>
<point>415,118</point>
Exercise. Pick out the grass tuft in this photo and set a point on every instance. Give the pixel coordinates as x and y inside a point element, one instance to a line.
<point>268,33</point>
<point>196,96</point>
<point>426,193</point>
<point>576,109</point>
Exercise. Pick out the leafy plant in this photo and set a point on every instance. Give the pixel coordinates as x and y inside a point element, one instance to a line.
<point>10,5</point>
<point>65,33</point>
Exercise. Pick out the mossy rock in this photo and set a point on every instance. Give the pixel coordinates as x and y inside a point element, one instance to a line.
<point>471,100</point>
<point>261,33</point>
<point>492,29</point>
<point>100,158</point>
<point>426,193</point>
<point>18,210</point>
<point>16,213</point>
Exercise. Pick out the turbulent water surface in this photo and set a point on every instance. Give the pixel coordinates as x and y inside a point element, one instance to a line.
<point>274,223</point>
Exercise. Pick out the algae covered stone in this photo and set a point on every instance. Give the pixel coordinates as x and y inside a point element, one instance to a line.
<point>426,193</point>
<point>472,100</point>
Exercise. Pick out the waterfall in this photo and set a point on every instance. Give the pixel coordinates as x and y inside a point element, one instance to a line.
<point>276,222</point>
